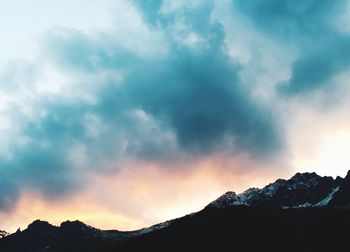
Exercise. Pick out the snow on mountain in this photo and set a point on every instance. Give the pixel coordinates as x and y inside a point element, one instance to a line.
<point>91,232</point>
<point>78,230</point>
<point>302,190</point>
<point>228,199</point>
<point>341,198</point>
<point>153,228</point>
<point>326,200</point>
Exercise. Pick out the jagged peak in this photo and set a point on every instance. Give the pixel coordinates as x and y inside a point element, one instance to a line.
<point>252,189</point>
<point>78,225</point>
<point>72,223</point>
<point>342,197</point>
<point>39,224</point>
<point>3,234</point>
<point>348,173</point>
<point>229,193</point>
<point>339,179</point>
<point>305,176</point>
<point>300,190</point>
<point>227,198</point>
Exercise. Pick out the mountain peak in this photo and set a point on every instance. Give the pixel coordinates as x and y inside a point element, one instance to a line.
<point>230,194</point>
<point>40,225</point>
<point>75,223</point>
<point>342,197</point>
<point>77,227</point>
<point>301,190</point>
<point>227,199</point>
<point>305,176</point>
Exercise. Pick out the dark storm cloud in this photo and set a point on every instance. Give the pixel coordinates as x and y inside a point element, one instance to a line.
<point>309,26</point>
<point>193,92</point>
<point>316,68</point>
<point>199,96</point>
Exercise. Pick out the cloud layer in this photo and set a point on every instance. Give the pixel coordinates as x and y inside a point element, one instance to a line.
<point>312,28</point>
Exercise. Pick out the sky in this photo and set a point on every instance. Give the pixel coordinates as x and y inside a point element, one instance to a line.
<point>123,114</point>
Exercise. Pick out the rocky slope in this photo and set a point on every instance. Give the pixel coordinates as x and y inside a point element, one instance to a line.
<point>302,190</point>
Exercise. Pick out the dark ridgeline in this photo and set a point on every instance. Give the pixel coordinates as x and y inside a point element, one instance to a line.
<point>3,233</point>
<point>342,197</point>
<point>307,213</point>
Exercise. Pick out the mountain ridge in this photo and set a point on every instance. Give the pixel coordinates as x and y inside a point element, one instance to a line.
<point>294,211</point>
<point>3,234</point>
<point>301,190</point>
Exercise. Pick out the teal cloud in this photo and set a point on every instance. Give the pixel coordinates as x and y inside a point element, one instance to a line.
<point>309,26</point>
<point>193,92</point>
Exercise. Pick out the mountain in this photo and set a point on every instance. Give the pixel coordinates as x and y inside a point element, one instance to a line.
<point>243,228</point>
<point>307,213</point>
<point>3,233</point>
<point>70,236</point>
<point>302,190</point>
<point>342,196</point>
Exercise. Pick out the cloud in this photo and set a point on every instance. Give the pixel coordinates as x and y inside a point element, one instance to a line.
<point>183,103</point>
<point>9,193</point>
<point>316,69</point>
<point>310,27</point>
<point>195,92</point>
<point>150,9</point>
<point>291,20</point>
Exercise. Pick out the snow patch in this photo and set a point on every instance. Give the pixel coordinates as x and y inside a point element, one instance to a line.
<point>326,200</point>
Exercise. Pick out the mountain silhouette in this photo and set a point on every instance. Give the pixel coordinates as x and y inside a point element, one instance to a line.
<point>3,233</point>
<point>305,213</point>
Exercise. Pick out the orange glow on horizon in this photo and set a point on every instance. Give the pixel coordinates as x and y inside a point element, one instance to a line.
<point>140,195</point>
